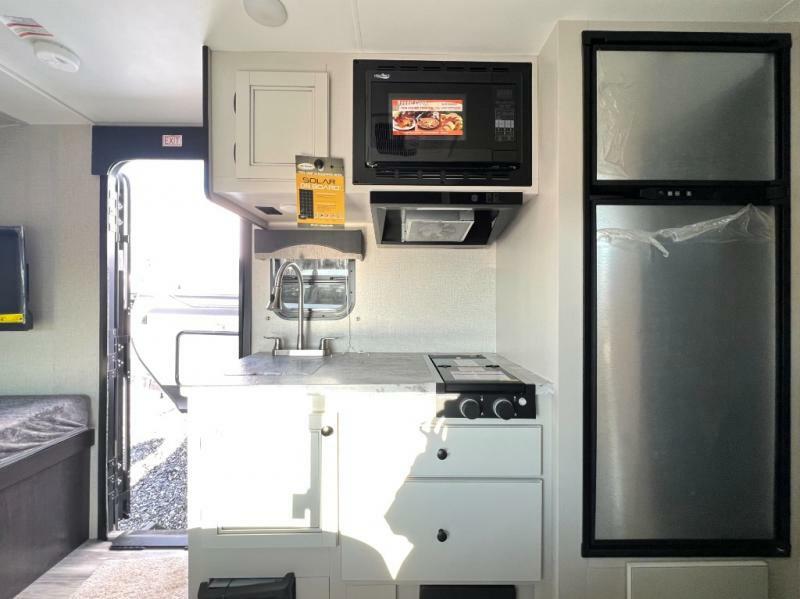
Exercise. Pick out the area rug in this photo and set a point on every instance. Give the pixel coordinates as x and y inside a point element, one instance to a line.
<point>137,578</point>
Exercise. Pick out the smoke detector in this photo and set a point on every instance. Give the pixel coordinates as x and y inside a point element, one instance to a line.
<point>56,56</point>
<point>44,44</point>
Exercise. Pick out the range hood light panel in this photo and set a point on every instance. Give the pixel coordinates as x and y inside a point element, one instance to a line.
<point>441,226</point>
<point>453,219</point>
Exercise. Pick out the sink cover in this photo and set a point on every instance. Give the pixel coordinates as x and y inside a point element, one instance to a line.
<point>265,364</point>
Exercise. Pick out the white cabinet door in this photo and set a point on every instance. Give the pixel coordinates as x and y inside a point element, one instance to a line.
<point>278,115</point>
<point>371,591</point>
<point>270,476</point>
<point>313,588</point>
<point>455,530</point>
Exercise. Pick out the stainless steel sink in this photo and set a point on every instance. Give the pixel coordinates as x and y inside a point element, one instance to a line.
<point>302,353</point>
<point>324,349</point>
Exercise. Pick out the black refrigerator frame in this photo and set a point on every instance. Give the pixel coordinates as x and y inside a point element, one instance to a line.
<point>774,193</point>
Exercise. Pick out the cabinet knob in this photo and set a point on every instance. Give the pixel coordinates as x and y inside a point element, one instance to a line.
<point>441,535</point>
<point>442,454</point>
<point>326,431</point>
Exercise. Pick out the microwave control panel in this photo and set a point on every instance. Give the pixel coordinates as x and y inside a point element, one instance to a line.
<point>504,114</point>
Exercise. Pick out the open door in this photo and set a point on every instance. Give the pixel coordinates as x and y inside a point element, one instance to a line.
<point>173,312</point>
<point>118,376</point>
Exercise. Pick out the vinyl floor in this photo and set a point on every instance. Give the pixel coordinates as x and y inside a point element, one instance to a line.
<point>66,576</point>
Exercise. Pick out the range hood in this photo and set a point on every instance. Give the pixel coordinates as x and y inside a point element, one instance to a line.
<point>443,219</point>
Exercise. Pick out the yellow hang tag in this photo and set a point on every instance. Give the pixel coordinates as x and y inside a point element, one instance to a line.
<point>320,191</point>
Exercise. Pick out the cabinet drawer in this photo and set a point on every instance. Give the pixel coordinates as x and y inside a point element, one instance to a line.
<point>481,450</point>
<point>456,531</point>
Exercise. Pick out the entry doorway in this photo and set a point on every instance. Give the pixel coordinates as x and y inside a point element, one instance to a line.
<point>173,313</point>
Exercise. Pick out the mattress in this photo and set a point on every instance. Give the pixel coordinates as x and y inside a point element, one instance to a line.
<point>28,422</point>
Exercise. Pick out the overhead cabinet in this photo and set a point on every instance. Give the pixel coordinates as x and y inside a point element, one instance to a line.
<point>261,113</point>
<point>279,115</point>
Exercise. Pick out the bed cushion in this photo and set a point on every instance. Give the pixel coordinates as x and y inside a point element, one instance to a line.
<point>29,421</point>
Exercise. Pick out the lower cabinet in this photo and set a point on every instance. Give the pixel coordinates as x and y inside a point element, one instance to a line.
<point>420,499</point>
<point>313,588</point>
<point>446,530</point>
<point>371,591</point>
<point>264,472</point>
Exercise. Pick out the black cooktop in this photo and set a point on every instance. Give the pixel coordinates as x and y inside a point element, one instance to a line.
<point>473,372</point>
<point>482,387</point>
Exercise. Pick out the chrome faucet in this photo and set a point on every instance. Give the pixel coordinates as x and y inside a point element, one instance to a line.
<point>275,297</point>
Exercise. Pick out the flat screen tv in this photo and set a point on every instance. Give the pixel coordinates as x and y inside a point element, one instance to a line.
<point>14,308</point>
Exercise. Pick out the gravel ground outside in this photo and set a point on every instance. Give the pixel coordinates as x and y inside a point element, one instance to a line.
<point>159,498</point>
<point>158,458</point>
<point>141,450</point>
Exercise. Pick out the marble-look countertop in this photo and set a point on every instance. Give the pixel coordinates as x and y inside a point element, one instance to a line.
<point>361,371</point>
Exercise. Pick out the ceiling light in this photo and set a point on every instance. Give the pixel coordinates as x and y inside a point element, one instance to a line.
<point>56,56</point>
<point>271,13</point>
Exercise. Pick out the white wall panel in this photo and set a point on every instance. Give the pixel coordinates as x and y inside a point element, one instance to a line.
<point>407,299</point>
<point>47,187</point>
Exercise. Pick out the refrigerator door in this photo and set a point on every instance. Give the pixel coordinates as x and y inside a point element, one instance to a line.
<point>686,390</point>
<point>685,116</point>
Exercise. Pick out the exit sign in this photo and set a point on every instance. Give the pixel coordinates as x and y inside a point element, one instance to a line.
<point>172,141</point>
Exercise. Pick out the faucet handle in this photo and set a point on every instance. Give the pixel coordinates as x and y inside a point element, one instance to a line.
<point>276,343</point>
<point>325,344</point>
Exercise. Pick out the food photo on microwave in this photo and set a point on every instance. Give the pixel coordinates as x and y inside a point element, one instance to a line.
<point>421,117</point>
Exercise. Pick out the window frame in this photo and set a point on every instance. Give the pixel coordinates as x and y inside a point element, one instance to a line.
<point>311,314</point>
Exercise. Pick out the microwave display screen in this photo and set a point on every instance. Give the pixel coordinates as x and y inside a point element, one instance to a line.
<point>421,117</point>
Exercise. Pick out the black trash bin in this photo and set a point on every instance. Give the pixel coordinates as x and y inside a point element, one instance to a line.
<point>249,588</point>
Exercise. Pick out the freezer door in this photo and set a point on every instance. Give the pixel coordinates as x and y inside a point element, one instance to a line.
<point>686,385</point>
<point>685,116</point>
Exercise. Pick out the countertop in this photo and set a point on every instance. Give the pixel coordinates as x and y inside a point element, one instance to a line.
<point>360,371</point>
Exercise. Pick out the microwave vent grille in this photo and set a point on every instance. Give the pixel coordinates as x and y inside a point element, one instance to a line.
<point>443,67</point>
<point>449,176</point>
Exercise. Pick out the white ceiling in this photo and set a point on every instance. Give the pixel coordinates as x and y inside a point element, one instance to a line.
<point>142,58</point>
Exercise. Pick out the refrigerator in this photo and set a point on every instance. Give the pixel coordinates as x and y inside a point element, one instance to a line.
<point>686,419</point>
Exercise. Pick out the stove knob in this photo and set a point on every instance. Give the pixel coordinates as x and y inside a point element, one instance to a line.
<point>470,408</point>
<point>503,408</point>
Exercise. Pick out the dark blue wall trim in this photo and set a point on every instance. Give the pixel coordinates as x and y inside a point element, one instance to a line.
<point>114,144</point>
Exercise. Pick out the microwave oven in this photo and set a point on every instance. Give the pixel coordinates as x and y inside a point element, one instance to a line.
<point>442,123</point>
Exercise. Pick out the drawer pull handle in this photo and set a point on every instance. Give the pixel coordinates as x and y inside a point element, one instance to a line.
<point>442,454</point>
<point>442,535</point>
<point>326,431</point>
